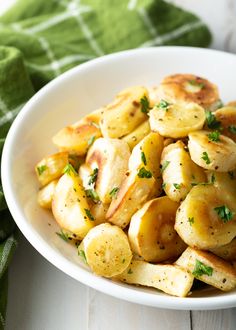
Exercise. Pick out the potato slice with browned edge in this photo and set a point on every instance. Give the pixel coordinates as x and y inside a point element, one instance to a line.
<point>134,191</point>
<point>51,167</point>
<point>226,252</point>
<point>168,278</point>
<point>45,195</point>
<point>208,268</point>
<point>99,211</point>
<point>206,219</point>
<point>109,157</point>
<point>137,134</point>
<point>227,118</point>
<point>210,150</point>
<point>151,231</point>
<point>226,182</point>
<point>107,250</point>
<point>125,113</point>
<point>78,137</point>
<point>70,207</point>
<point>179,172</point>
<point>176,120</point>
<point>148,153</point>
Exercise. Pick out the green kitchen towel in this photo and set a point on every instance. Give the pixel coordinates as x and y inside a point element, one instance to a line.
<point>41,39</point>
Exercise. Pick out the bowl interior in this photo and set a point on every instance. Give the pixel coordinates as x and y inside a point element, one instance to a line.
<point>65,100</point>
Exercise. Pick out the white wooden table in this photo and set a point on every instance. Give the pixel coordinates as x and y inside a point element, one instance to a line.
<point>43,298</point>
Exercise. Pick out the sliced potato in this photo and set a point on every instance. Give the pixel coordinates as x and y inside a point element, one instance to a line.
<point>208,268</point>
<point>45,195</point>
<point>227,118</point>
<point>110,157</point>
<point>107,250</point>
<point>99,211</point>
<point>168,141</point>
<point>231,104</point>
<point>78,137</point>
<point>226,182</point>
<point>125,113</point>
<point>189,88</point>
<point>177,120</point>
<point>70,207</point>
<point>168,278</point>
<point>211,152</point>
<point>206,219</point>
<point>179,173</point>
<point>226,252</point>
<point>151,231</point>
<point>137,134</point>
<point>134,191</point>
<point>51,167</point>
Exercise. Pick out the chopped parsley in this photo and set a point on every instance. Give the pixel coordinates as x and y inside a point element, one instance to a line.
<point>202,269</point>
<point>231,175</point>
<point>211,120</point>
<point>232,129</point>
<point>164,166</point>
<point>63,235</point>
<point>113,192</point>
<point>191,221</point>
<point>93,176</point>
<point>91,140</point>
<point>177,186</point>
<point>75,161</point>
<point>164,105</point>
<point>213,178</point>
<point>145,106</point>
<point>81,253</point>
<point>194,82</point>
<point>214,136</point>
<point>163,185</point>
<point>224,213</point>
<point>41,169</point>
<point>206,158</point>
<point>143,173</point>
<point>89,215</point>
<point>143,158</point>
<point>68,169</point>
<point>91,193</point>
<point>130,271</point>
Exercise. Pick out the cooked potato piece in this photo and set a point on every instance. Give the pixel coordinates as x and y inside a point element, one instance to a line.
<point>70,207</point>
<point>137,134</point>
<point>179,173</point>
<point>110,158</point>
<point>231,104</point>
<point>211,150</point>
<point>78,137</point>
<point>125,113</point>
<point>168,141</point>
<point>168,278</point>
<point>51,167</point>
<point>134,191</point>
<point>148,153</point>
<point>45,195</point>
<point>99,211</point>
<point>206,219</point>
<point>176,120</point>
<point>226,252</point>
<point>208,268</point>
<point>227,118</point>
<point>85,172</point>
<point>189,88</point>
<point>151,231</point>
<point>107,250</point>
<point>226,182</point>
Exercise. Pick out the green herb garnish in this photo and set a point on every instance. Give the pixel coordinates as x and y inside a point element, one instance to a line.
<point>143,173</point>
<point>81,253</point>
<point>68,169</point>
<point>89,215</point>
<point>143,158</point>
<point>232,129</point>
<point>164,105</point>
<point>130,271</point>
<point>91,193</point>
<point>211,120</point>
<point>177,186</point>
<point>214,136</point>
<point>224,213</point>
<point>231,175</point>
<point>202,269</point>
<point>113,192</point>
<point>191,221</point>
<point>164,166</point>
<point>91,140</point>
<point>196,83</point>
<point>163,185</point>
<point>41,169</point>
<point>63,235</point>
<point>145,106</point>
<point>206,158</point>
<point>93,176</point>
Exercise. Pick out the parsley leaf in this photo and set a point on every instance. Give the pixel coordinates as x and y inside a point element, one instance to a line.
<point>231,175</point>
<point>41,169</point>
<point>177,186</point>
<point>224,213</point>
<point>114,192</point>
<point>164,105</point>
<point>202,269</point>
<point>63,236</point>
<point>213,178</point>
<point>93,176</point>
<point>211,120</point>
<point>164,165</point>
<point>89,215</point>
<point>145,106</point>
<point>91,140</point>
<point>81,253</point>
<point>163,185</point>
<point>91,193</point>
<point>206,158</point>
<point>232,129</point>
<point>143,173</point>
<point>143,158</point>
<point>68,169</point>
<point>194,82</point>
<point>191,221</point>
<point>130,271</point>
<point>214,136</point>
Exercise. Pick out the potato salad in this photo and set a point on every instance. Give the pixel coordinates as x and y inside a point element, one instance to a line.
<point>145,187</point>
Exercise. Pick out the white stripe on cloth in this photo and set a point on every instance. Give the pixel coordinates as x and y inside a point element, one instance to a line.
<point>2,321</point>
<point>5,253</point>
<point>147,21</point>
<point>3,106</point>
<point>160,40</point>
<point>53,61</point>
<point>61,62</point>
<point>132,4</point>
<point>10,115</point>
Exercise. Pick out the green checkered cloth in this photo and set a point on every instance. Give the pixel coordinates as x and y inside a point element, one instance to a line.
<point>41,39</point>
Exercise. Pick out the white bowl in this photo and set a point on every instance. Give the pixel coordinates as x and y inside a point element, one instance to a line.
<point>63,101</point>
